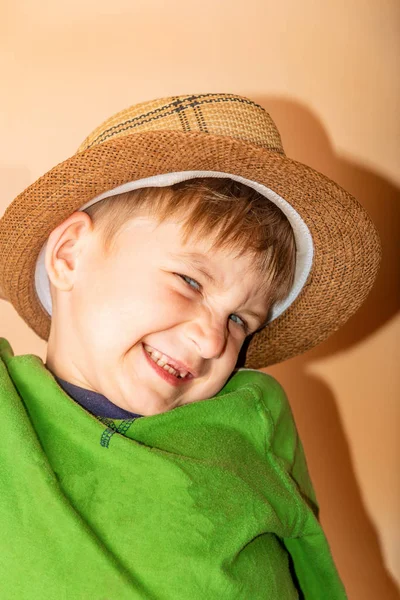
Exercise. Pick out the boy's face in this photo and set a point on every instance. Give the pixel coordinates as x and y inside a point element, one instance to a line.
<point>116,305</point>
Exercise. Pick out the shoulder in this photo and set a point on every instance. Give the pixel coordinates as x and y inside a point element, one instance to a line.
<point>281,435</point>
<point>273,403</point>
<point>269,390</point>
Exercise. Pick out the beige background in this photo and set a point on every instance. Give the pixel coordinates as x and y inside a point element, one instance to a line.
<point>328,74</point>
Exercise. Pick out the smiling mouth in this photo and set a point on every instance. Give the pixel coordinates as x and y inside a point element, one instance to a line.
<point>165,371</point>
<point>168,363</point>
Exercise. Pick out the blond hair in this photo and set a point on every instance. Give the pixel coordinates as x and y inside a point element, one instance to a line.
<point>237,217</point>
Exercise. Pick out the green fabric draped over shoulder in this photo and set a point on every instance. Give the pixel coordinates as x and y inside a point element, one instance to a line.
<point>210,500</point>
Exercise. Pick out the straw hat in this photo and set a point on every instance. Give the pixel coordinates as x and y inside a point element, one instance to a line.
<point>171,139</point>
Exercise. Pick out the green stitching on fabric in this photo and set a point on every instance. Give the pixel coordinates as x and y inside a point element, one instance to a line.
<point>112,428</point>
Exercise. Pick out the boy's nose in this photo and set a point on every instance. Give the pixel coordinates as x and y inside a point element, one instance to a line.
<point>210,336</point>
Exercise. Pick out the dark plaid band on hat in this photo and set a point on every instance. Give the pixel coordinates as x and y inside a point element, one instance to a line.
<point>187,113</point>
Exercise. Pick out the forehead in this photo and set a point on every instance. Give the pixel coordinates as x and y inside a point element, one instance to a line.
<point>167,237</point>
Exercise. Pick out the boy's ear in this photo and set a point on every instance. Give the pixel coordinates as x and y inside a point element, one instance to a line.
<point>64,245</point>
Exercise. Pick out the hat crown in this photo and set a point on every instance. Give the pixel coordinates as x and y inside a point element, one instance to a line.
<point>217,114</point>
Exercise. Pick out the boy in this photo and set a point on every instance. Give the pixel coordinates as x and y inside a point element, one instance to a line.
<point>140,461</point>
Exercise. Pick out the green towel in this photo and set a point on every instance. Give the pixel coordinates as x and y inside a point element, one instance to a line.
<point>210,500</point>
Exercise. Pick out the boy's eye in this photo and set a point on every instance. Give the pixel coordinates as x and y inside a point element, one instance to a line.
<point>185,278</point>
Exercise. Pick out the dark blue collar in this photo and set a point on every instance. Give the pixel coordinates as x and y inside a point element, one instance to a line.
<point>95,403</point>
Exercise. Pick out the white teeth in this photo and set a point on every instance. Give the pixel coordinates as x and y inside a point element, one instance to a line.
<point>162,361</point>
<point>166,367</point>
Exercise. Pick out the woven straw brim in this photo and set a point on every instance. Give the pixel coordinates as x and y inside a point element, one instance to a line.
<point>346,245</point>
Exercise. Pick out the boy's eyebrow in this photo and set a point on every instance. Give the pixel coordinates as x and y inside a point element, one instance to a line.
<point>197,260</point>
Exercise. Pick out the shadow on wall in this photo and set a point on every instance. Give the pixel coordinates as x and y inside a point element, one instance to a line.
<point>352,536</point>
